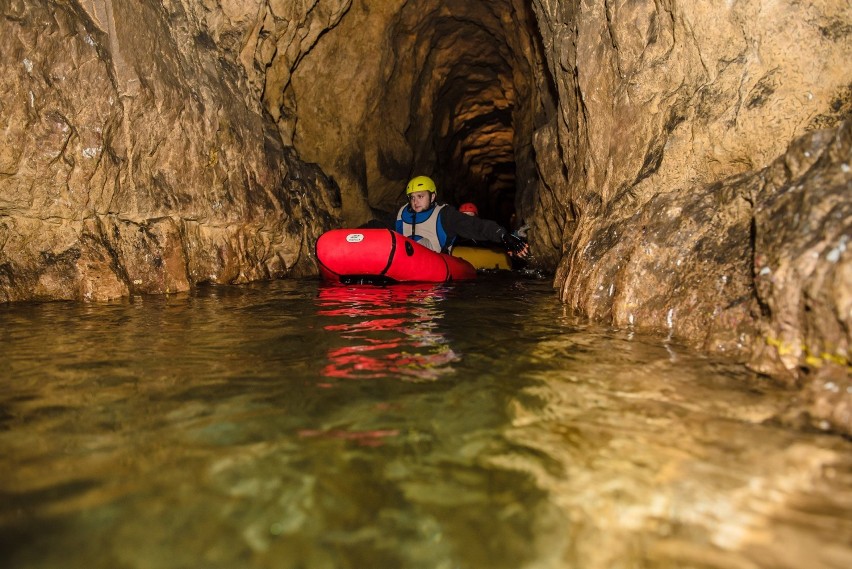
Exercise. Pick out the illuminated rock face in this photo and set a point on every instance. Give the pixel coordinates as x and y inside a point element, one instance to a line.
<point>683,169</point>
<point>704,165</point>
<point>135,159</point>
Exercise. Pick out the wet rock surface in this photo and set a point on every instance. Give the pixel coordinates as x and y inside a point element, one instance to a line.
<point>755,265</point>
<point>682,169</point>
<point>705,174</point>
<point>135,160</point>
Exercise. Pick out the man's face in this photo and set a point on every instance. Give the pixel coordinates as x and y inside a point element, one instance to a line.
<point>420,201</point>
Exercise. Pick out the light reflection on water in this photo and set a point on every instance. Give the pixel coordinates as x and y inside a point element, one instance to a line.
<point>475,425</point>
<point>391,331</point>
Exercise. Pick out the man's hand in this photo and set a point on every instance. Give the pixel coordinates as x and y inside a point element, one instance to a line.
<point>515,246</point>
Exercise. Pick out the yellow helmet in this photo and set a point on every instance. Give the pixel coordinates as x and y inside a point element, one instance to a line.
<point>420,184</point>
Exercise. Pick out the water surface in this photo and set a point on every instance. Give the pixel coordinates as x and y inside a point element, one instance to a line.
<point>474,425</point>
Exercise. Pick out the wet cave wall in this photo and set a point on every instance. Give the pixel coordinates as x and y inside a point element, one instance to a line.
<point>684,169</point>
<point>136,156</point>
<point>704,171</point>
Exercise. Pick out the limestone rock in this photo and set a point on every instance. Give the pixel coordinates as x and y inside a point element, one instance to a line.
<point>681,168</point>
<point>706,168</point>
<point>134,160</point>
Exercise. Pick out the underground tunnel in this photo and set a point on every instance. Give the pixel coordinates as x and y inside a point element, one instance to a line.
<point>666,383</point>
<point>450,93</point>
<point>656,151</point>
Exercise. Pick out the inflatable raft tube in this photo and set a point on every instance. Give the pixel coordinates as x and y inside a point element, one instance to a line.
<point>484,258</point>
<point>381,256</point>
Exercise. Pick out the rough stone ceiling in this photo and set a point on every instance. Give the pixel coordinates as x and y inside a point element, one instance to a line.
<point>472,110</point>
<point>436,93</point>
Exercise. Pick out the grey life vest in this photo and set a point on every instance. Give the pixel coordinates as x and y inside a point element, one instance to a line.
<point>423,227</point>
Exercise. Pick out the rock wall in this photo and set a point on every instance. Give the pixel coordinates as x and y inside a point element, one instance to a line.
<point>685,168</point>
<point>136,155</point>
<point>704,167</point>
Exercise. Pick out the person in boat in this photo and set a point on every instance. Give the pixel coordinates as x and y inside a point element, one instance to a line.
<point>437,226</point>
<point>469,208</point>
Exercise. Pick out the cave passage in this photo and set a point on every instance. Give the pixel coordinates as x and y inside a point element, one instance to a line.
<point>471,135</point>
<point>442,88</point>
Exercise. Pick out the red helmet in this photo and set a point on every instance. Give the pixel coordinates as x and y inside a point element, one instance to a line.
<point>469,208</point>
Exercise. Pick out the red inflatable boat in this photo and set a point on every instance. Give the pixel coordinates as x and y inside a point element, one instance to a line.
<point>382,256</point>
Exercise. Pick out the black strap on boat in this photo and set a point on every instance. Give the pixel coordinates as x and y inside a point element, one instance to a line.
<point>413,221</point>
<point>449,276</point>
<point>392,252</point>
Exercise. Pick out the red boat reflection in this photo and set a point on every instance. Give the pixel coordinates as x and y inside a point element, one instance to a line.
<point>390,331</point>
<point>374,438</point>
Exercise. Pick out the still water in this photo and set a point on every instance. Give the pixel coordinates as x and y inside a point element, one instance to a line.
<point>298,425</point>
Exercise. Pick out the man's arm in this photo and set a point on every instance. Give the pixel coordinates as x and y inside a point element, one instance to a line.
<point>478,229</point>
<point>471,227</point>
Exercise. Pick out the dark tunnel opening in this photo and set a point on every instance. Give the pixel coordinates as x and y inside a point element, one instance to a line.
<point>476,154</point>
<point>469,145</point>
<point>450,89</point>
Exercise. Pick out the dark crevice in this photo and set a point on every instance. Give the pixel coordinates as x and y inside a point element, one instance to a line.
<point>469,145</point>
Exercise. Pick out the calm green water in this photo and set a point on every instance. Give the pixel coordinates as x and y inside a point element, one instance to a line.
<point>296,425</point>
